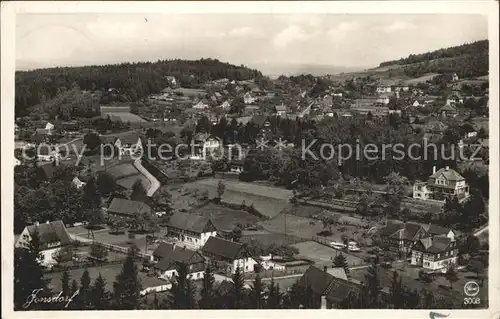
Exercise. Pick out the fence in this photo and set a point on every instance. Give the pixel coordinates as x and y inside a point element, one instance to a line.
<point>121,249</point>
<point>82,265</point>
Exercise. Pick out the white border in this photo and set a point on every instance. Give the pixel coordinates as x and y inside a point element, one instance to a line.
<point>9,11</point>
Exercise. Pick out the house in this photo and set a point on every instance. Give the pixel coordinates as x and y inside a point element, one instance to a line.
<point>236,165</point>
<point>384,89</point>
<point>435,253</point>
<point>129,145</point>
<point>193,230</point>
<point>78,183</point>
<point>53,236</point>
<point>231,254</point>
<point>454,99</point>
<point>206,143</point>
<point>248,98</point>
<point>47,154</point>
<point>46,172</point>
<point>383,99</point>
<point>201,105</point>
<point>168,256</point>
<point>226,106</point>
<point>448,111</point>
<point>280,110</point>
<point>338,94</point>
<point>442,184</point>
<point>402,237</point>
<point>260,121</point>
<point>218,96</point>
<point>454,77</point>
<point>171,80</point>
<point>327,290</point>
<point>327,100</point>
<point>127,208</point>
<point>343,113</point>
<point>268,263</point>
<point>40,135</point>
<point>438,231</point>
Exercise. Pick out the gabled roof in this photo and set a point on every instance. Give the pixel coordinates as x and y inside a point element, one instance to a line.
<point>436,245</point>
<point>41,131</point>
<point>280,107</point>
<point>449,174</point>
<point>448,108</point>
<point>170,255</point>
<point>258,120</point>
<point>406,231</point>
<point>191,222</point>
<point>51,232</point>
<point>47,170</point>
<point>128,207</point>
<point>222,247</point>
<point>437,230</point>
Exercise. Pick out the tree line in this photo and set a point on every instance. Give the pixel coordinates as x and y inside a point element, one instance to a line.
<point>132,80</point>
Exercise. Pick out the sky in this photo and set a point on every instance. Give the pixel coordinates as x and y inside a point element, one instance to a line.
<point>257,40</point>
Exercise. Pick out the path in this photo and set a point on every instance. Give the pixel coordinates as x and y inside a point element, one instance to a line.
<point>481,230</point>
<point>155,184</point>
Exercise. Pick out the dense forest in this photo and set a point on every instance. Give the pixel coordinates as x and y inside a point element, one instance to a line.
<point>467,60</point>
<point>134,80</point>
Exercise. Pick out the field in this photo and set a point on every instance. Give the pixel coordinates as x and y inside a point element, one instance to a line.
<point>421,79</point>
<point>108,272</point>
<point>126,117</point>
<point>267,238</point>
<point>270,201</point>
<point>122,170</point>
<point>323,255</point>
<point>190,92</point>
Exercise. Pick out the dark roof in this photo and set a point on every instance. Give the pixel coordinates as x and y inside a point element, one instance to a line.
<point>449,174</point>
<point>41,131</point>
<point>222,247</point>
<point>52,232</point>
<point>128,207</point>
<point>130,139</point>
<point>437,230</point>
<point>435,245</point>
<point>191,222</point>
<point>406,231</point>
<point>340,289</point>
<point>448,108</point>
<point>317,279</point>
<point>47,170</point>
<point>170,255</point>
<point>258,120</point>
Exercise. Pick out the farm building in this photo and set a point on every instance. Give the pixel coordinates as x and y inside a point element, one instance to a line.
<point>127,208</point>
<point>232,254</point>
<point>191,229</point>
<point>168,257</point>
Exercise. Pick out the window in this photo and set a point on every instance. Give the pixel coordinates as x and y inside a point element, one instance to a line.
<point>198,275</point>
<point>246,267</point>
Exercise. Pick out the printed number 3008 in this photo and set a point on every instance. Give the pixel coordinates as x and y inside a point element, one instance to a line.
<point>472,301</point>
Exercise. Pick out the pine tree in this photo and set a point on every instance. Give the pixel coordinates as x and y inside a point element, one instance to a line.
<point>237,291</point>
<point>452,276</point>
<point>74,286</point>
<point>182,290</point>
<point>28,273</point>
<point>100,296</point>
<point>127,286</point>
<point>84,295</point>
<point>373,287</point>
<point>397,297</point>
<point>274,296</point>
<point>341,261</point>
<point>208,291</point>
<point>65,279</point>
<point>257,297</point>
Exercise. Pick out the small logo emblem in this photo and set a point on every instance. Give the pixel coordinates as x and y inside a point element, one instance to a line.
<point>471,288</point>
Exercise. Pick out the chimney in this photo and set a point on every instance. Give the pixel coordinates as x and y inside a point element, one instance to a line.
<point>323,302</point>
<point>447,168</point>
<point>325,268</point>
<point>433,169</point>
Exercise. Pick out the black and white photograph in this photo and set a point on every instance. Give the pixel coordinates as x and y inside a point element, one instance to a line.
<point>274,159</point>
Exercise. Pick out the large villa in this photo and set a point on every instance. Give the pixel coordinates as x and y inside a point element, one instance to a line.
<point>442,184</point>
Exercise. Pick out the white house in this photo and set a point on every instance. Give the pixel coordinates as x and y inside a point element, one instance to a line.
<point>78,183</point>
<point>248,98</point>
<point>169,256</point>
<point>200,105</point>
<point>192,230</point>
<point>129,145</point>
<point>225,105</point>
<point>47,154</point>
<point>49,127</point>
<point>268,263</point>
<point>53,236</point>
<point>444,183</point>
<point>280,110</point>
<point>206,144</point>
<point>384,89</point>
<point>230,253</point>
<point>383,99</point>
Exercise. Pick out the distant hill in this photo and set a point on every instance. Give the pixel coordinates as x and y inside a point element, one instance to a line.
<point>134,80</point>
<point>274,70</point>
<point>467,60</point>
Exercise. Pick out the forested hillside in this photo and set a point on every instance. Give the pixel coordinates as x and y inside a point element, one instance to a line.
<point>135,80</point>
<point>467,60</point>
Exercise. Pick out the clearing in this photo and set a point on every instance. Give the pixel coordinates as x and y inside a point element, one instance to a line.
<point>323,255</point>
<point>225,218</point>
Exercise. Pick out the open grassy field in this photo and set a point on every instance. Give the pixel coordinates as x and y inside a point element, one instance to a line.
<point>126,117</point>
<point>267,238</point>
<point>190,92</point>
<point>122,170</point>
<point>129,181</point>
<point>323,255</point>
<point>108,272</point>
<point>270,201</point>
<point>421,79</point>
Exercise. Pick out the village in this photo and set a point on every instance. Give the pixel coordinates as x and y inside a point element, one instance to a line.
<point>259,212</point>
